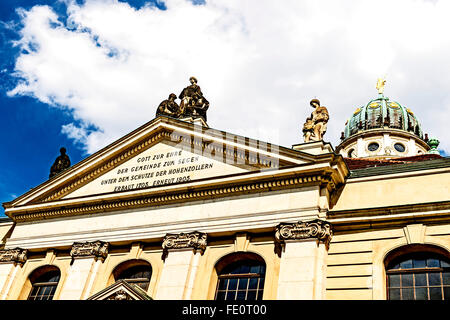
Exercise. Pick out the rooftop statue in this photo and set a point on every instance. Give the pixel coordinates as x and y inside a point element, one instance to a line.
<point>169,107</point>
<point>316,125</point>
<point>193,103</point>
<point>61,163</point>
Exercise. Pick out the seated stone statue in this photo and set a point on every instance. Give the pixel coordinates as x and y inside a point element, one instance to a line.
<point>193,103</point>
<point>61,163</point>
<point>169,107</point>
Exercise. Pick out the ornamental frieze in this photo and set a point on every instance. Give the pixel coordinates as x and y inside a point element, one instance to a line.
<point>97,249</point>
<point>194,240</point>
<point>16,255</point>
<point>318,229</point>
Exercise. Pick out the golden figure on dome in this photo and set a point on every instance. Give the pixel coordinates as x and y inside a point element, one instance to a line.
<point>381,82</point>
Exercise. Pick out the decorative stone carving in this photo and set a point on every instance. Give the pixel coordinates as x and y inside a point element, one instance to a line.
<point>316,125</point>
<point>320,229</point>
<point>61,163</point>
<point>16,255</point>
<point>195,240</point>
<point>97,249</point>
<point>120,295</point>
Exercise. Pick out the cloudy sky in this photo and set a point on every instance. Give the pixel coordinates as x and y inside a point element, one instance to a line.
<point>82,73</point>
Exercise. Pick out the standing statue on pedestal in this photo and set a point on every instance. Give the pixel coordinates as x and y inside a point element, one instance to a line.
<point>169,107</point>
<point>316,125</point>
<point>193,103</point>
<point>61,163</point>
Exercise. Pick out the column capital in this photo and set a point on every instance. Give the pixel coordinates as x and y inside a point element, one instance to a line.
<point>302,230</point>
<point>97,249</point>
<point>16,255</point>
<point>195,240</point>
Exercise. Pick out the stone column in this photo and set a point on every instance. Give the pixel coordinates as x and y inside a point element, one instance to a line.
<point>86,260</point>
<point>304,248</point>
<point>182,252</point>
<point>11,260</point>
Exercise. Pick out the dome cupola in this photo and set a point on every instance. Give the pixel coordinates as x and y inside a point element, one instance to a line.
<point>382,129</point>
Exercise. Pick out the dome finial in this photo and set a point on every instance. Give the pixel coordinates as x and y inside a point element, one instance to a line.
<point>381,82</point>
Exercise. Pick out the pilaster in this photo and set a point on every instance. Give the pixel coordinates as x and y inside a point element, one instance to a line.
<point>11,260</point>
<point>86,260</point>
<point>303,259</point>
<point>182,254</point>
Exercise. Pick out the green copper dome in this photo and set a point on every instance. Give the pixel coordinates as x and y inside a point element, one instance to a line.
<point>382,113</point>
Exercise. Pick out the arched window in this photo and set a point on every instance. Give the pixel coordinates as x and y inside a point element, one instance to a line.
<point>418,275</point>
<point>137,272</point>
<point>240,277</point>
<point>44,282</point>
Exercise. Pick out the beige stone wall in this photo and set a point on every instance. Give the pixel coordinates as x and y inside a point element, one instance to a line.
<point>393,190</point>
<point>5,229</point>
<point>355,266</point>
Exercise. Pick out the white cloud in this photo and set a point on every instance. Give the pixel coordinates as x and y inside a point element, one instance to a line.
<point>258,63</point>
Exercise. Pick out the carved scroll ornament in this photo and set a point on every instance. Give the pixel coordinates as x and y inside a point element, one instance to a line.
<point>195,240</point>
<point>319,229</point>
<point>97,249</point>
<point>16,255</point>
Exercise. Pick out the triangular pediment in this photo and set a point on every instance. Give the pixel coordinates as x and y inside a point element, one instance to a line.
<point>163,152</point>
<point>121,290</point>
<point>168,156</point>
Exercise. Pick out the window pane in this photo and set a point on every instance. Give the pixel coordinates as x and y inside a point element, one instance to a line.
<point>419,263</point>
<point>231,295</point>
<point>406,264</point>
<point>394,280</point>
<point>251,295</point>
<point>421,279</point>
<point>220,295</point>
<point>261,283</point>
<point>232,285</point>
<point>253,283</point>
<point>435,294</point>
<point>244,269</point>
<point>394,294</point>
<point>434,279</point>
<point>445,264</point>
<point>243,284</point>
<point>433,263</point>
<point>223,284</point>
<point>241,295</point>
<point>407,294</point>
<point>446,278</point>
<point>407,280</point>
<point>447,293</point>
<point>260,295</point>
<point>255,269</point>
<point>421,294</point>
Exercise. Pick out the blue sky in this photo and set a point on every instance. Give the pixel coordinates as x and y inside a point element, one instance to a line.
<point>84,73</point>
<point>30,131</point>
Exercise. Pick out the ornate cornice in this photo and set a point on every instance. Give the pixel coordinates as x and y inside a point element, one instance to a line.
<point>96,249</point>
<point>314,229</point>
<point>167,197</point>
<point>194,240</point>
<point>16,255</point>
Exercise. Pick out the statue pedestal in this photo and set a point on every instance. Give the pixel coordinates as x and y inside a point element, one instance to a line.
<point>199,121</point>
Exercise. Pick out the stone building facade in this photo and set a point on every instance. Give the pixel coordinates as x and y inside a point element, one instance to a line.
<point>178,210</point>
